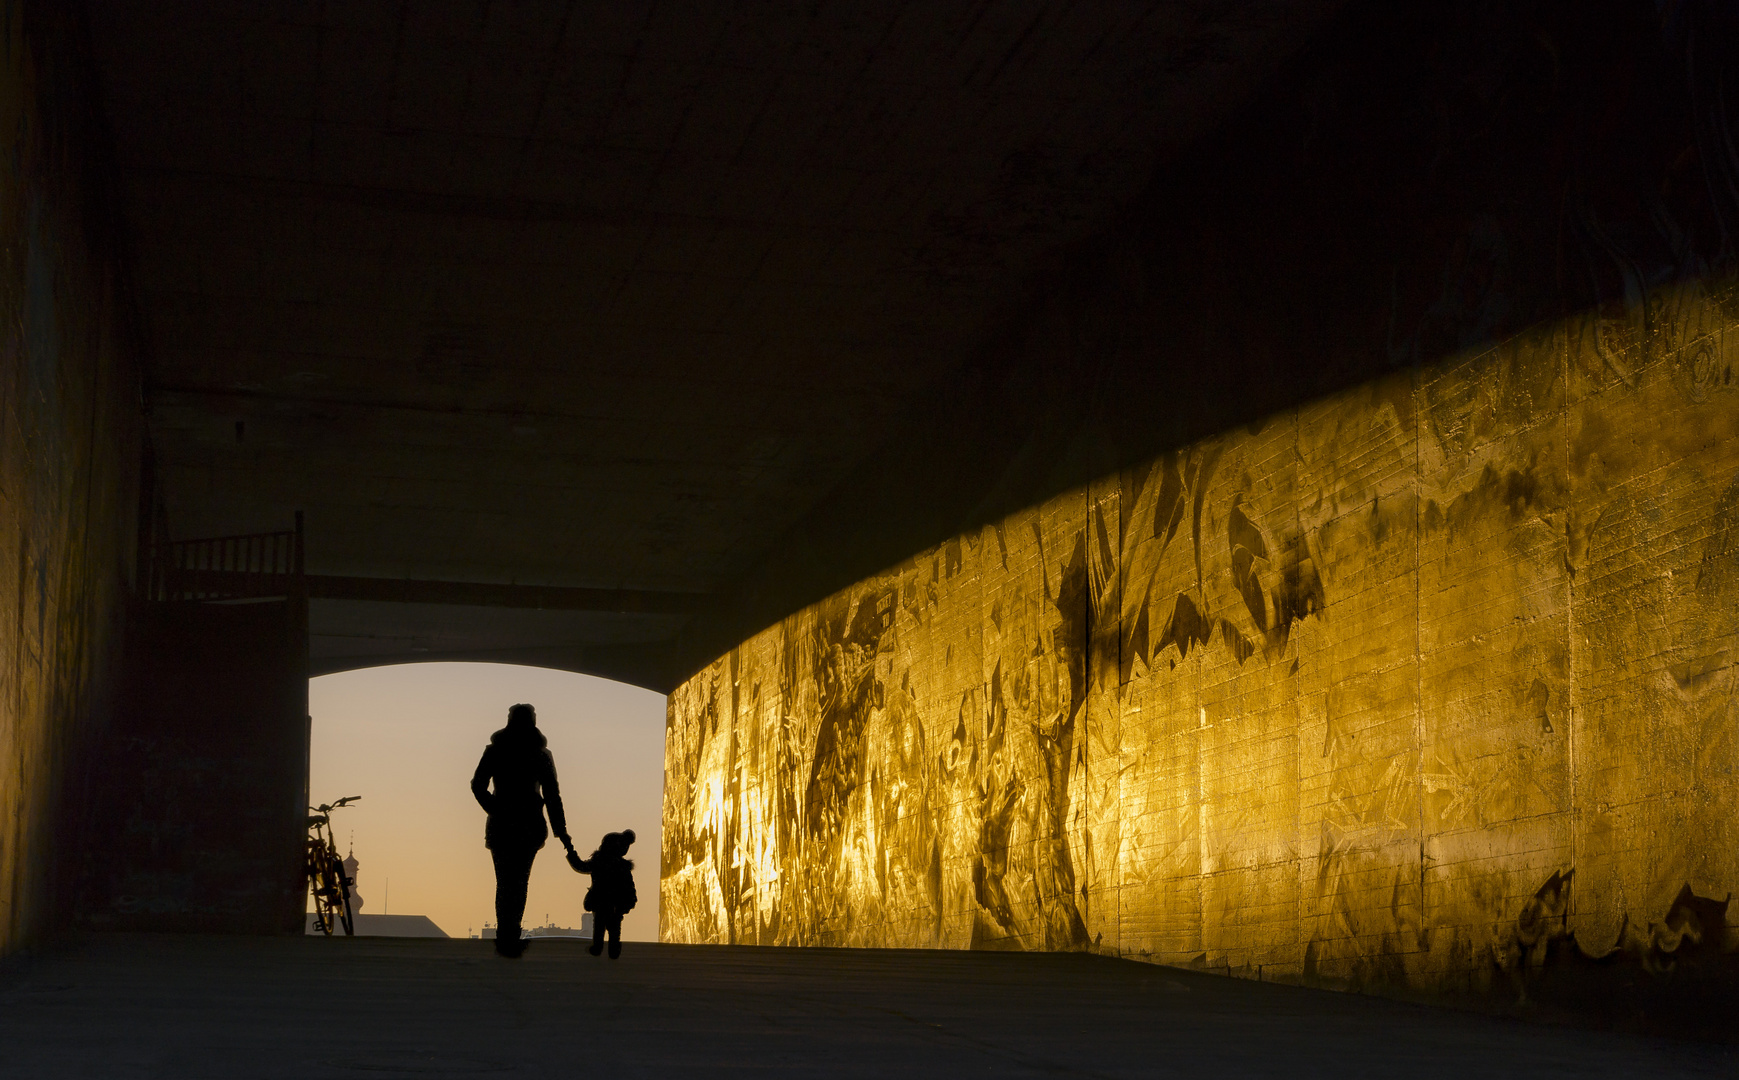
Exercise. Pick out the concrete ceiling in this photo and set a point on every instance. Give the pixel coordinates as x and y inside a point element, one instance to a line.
<point>604,295</point>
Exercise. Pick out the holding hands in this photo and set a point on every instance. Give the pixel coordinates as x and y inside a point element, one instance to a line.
<point>612,891</point>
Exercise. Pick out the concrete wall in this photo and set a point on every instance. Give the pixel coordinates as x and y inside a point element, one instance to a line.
<point>69,438</point>
<point>1403,688</point>
<point>1342,581</point>
<point>199,810</point>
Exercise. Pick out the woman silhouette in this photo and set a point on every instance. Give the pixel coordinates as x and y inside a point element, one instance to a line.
<point>518,760</point>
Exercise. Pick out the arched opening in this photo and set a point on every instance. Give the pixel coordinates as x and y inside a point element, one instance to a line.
<point>407,738</point>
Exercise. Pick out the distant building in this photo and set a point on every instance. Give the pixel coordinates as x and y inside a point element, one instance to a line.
<point>380,925</point>
<point>350,871</point>
<point>583,931</point>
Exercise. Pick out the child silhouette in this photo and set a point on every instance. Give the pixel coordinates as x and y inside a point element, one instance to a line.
<point>612,893</point>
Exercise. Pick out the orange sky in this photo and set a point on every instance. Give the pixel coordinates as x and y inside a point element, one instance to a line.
<point>407,738</point>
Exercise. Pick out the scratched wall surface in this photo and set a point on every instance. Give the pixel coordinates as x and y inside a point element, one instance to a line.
<point>68,440</point>
<point>1427,686</point>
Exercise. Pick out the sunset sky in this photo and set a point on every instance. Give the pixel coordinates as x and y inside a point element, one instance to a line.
<point>407,739</point>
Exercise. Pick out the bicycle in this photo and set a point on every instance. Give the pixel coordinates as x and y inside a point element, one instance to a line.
<point>326,877</point>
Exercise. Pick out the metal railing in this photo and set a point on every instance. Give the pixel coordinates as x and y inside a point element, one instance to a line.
<point>229,567</point>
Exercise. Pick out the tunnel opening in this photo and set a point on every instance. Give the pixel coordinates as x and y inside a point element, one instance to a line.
<point>406,737</point>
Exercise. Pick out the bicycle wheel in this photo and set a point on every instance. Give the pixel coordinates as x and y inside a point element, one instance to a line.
<point>341,908</point>
<point>320,886</point>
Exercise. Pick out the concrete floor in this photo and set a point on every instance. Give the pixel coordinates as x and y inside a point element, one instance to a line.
<point>119,1006</point>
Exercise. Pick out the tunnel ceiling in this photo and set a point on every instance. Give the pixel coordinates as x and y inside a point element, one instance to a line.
<point>600,296</point>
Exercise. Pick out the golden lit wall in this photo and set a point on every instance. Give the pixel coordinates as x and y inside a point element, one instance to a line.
<point>1410,687</point>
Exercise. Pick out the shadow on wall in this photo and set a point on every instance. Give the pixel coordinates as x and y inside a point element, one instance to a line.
<point>1677,972</point>
<point>1428,687</point>
<point>1423,181</point>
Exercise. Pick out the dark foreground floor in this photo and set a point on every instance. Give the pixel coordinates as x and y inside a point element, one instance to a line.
<point>119,1006</point>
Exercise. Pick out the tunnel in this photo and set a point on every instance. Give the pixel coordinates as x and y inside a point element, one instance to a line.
<point>1240,489</point>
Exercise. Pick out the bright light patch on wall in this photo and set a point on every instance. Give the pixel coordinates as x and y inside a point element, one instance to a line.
<point>407,738</point>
